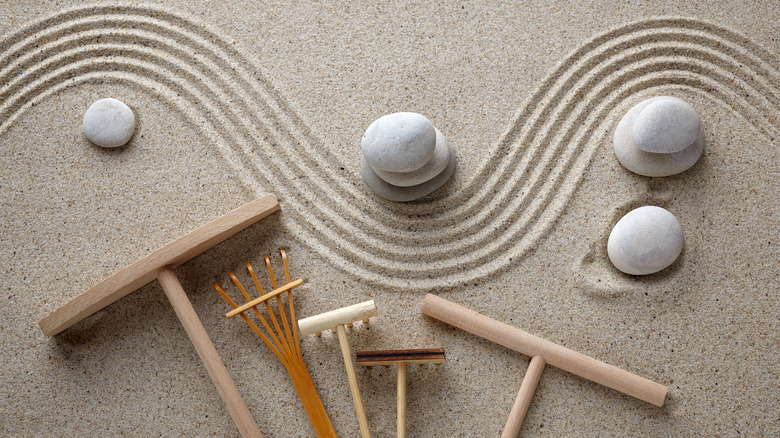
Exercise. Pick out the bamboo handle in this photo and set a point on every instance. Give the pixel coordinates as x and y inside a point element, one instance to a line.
<point>524,397</point>
<point>401,400</point>
<point>353,384</point>
<point>554,354</point>
<point>310,398</point>
<point>207,352</point>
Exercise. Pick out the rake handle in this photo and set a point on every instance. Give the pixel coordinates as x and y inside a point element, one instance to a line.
<point>208,354</point>
<point>353,384</point>
<point>401,420</point>
<point>524,397</point>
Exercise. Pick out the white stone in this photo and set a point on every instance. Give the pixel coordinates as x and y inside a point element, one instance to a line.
<point>109,123</point>
<point>434,166</point>
<point>666,125</point>
<point>645,240</point>
<point>399,142</point>
<point>648,163</point>
<point>405,194</point>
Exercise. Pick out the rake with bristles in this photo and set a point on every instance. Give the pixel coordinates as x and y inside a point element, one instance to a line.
<point>283,343</point>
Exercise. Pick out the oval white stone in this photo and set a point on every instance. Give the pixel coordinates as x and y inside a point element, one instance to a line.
<point>645,240</point>
<point>648,163</point>
<point>399,142</point>
<point>434,166</point>
<point>666,125</point>
<point>109,123</point>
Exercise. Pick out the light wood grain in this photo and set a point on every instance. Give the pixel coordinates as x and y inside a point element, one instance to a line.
<point>208,354</point>
<point>554,354</point>
<point>401,397</point>
<point>143,271</point>
<point>344,315</point>
<point>524,397</point>
<point>353,383</point>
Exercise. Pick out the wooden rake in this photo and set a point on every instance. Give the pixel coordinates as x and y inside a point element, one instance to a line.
<point>285,344</point>
<point>401,358</point>
<point>159,265</point>
<point>337,320</point>
<point>542,352</point>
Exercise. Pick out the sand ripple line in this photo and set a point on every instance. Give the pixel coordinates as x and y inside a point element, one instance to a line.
<point>492,221</point>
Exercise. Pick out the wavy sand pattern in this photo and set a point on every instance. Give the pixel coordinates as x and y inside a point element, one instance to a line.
<point>493,220</point>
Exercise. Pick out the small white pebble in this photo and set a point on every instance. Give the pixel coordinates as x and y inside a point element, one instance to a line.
<point>667,125</point>
<point>646,240</point>
<point>109,123</point>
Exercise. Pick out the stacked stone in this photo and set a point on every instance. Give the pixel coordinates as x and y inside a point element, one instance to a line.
<point>661,136</point>
<point>405,157</point>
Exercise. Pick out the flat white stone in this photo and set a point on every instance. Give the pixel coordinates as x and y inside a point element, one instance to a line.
<point>405,194</point>
<point>648,163</point>
<point>109,123</point>
<point>399,142</point>
<point>645,241</point>
<point>666,125</point>
<point>434,166</point>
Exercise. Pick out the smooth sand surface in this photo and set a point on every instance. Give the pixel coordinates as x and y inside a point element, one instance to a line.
<point>240,99</point>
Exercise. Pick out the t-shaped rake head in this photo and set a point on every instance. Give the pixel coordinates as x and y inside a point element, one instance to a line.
<point>336,320</point>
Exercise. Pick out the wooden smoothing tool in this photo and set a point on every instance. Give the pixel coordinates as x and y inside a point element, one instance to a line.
<point>285,345</point>
<point>160,265</point>
<point>402,358</point>
<point>336,320</point>
<point>542,352</point>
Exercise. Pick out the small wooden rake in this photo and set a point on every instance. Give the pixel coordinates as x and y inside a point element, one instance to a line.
<point>285,343</point>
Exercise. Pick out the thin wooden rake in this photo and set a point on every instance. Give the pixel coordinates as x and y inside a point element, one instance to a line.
<point>285,343</point>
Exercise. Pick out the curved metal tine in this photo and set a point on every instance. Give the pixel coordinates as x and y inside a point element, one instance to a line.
<point>279,302</point>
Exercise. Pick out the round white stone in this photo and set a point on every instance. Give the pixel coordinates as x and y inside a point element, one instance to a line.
<point>406,194</point>
<point>109,123</point>
<point>666,125</point>
<point>648,163</point>
<point>645,240</point>
<point>399,142</point>
<point>434,166</point>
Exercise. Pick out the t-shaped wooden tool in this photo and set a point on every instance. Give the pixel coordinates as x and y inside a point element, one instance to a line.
<point>541,352</point>
<point>160,264</point>
<point>401,358</point>
<point>336,320</point>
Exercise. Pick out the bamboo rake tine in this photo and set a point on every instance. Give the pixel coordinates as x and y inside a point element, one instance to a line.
<point>279,344</point>
<point>290,301</point>
<point>251,324</point>
<point>287,347</point>
<point>279,301</point>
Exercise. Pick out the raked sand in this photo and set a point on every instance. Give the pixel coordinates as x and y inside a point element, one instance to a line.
<point>240,99</point>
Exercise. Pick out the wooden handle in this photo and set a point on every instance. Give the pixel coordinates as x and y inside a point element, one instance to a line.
<point>401,421</point>
<point>329,320</point>
<point>207,352</point>
<point>353,384</point>
<point>524,397</point>
<point>554,354</point>
<point>143,271</point>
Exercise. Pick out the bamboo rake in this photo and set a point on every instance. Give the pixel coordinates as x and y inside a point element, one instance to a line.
<point>284,343</point>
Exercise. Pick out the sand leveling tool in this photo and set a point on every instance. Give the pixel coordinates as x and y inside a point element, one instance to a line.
<point>401,358</point>
<point>542,352</point>
<point>285,344</point>
<point>160,264</point>
<point>337,320</point>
